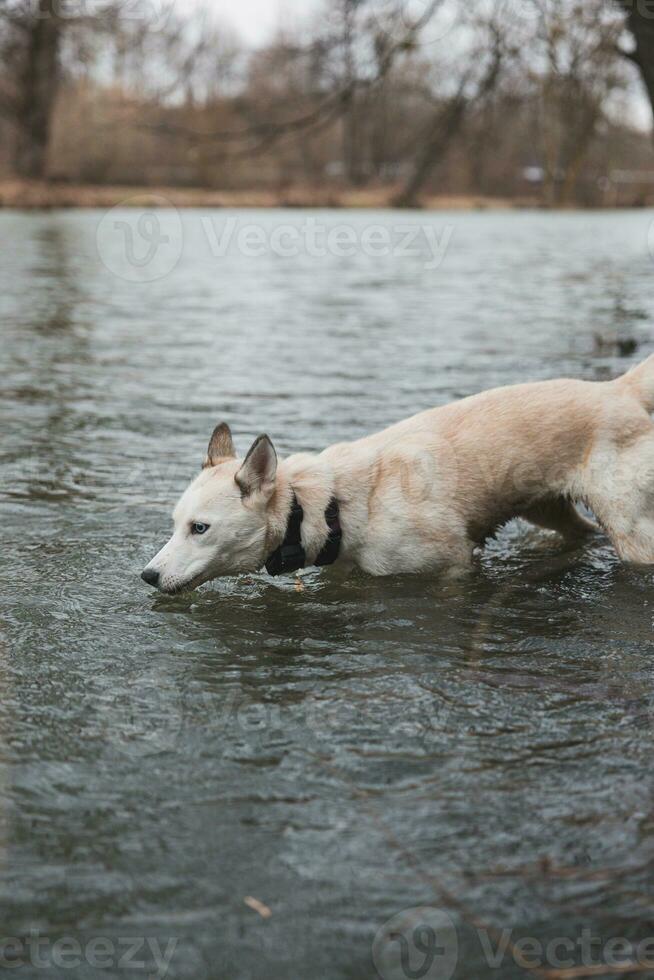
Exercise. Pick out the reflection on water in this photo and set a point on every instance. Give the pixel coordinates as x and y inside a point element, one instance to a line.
<point>341,753</point>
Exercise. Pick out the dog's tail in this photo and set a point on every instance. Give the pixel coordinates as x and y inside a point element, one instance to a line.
<point>641,382</point>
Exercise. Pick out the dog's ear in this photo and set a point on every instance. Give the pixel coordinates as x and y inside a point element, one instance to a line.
<point>220,446</point>
<point>257,474</point>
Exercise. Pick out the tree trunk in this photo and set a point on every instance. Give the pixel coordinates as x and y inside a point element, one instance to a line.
<point>39,79</point>
<point>640,21</point>
<point>444,127</point>
<point>584,132</point>
<point>352,140</point>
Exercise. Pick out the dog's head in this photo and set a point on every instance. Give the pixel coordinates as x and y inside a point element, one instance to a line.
<point>221,519</point>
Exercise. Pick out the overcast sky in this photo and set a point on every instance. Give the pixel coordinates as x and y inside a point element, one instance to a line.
<point>256,20</point>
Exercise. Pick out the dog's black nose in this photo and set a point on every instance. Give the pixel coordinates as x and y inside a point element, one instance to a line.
<point>150,576</point>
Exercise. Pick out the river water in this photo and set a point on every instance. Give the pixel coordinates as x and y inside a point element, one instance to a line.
<point>353,750</point>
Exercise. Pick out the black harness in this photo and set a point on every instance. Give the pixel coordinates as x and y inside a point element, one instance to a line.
<point>291,555</point>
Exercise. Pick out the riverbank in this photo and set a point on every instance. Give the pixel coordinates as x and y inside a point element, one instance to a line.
<point>28,195</point>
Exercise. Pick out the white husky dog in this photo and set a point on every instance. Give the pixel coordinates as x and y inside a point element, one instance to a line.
<point>423,494</point>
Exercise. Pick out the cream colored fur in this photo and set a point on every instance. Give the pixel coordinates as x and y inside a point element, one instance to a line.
<point>422,494</point>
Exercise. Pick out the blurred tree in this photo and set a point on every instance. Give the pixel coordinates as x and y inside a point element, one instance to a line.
<point>507,97</point>
<point>575,71</point>
<point>640,22</point>
<point>478,75</point>
<point>30,44</point>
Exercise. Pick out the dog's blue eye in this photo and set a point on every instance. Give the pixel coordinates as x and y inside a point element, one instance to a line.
<point>197,528</point>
